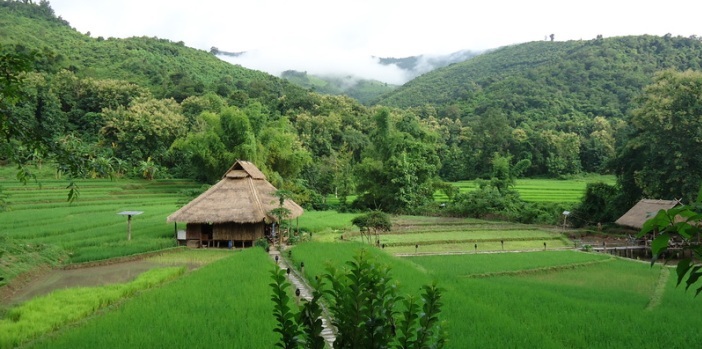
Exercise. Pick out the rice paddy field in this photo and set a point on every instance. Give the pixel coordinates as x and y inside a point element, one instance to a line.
<point>542,189</point>
<point>427,235</point>
<point>505,285</point>
<point>545,299</point>
<point>89,228</point>
<point>225,304</point>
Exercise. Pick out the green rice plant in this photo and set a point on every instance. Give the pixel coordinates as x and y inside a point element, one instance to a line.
<point>319,221</point>
<point>543,190</point>
<point>188,256</point>
<point>551,299</point>
<point>478,246</point>
<point>225,304</point>
<point>51,312</point>
<point>17,257</point>
<point>119,249</point>
<point>482,264</point>
<point>89,229</point>
<point>458,236</point>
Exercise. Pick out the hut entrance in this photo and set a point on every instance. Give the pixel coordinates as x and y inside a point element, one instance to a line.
<point>269,232</point>
<point>206,234</point>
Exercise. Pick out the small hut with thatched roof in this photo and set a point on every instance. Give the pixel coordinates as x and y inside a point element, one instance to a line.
<point>234,212</point>
<point>643,210</point>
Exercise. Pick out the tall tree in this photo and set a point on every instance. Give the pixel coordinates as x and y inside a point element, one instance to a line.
<point>397,172</point>
<point>663,154</point>
<point>146,129</point>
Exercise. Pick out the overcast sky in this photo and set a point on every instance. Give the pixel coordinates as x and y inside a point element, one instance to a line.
<point>328,36</point>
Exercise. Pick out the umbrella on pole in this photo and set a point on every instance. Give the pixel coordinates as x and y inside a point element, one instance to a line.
<point>129,215</point>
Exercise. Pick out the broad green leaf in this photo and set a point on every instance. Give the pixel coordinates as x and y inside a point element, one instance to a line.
<point>685,229</point>
<point>660,220</point>
<point>660,243</point>
<point>694,276</point>
<point>682,269</point>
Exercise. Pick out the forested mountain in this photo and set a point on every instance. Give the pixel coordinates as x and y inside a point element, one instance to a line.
<point>599,77</point>
<point>361,89</point>
<point>547,101</point>
<point>155,108</point>
<point>165,68</point>
<point>418,65</point>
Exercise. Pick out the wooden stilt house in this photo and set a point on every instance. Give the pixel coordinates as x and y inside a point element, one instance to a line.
<point>235,212</point>
<point>643,210</point>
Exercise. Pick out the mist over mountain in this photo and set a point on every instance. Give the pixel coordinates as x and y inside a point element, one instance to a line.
<point>360,77</point>
<point>418,65</point>
<point>390,70</point>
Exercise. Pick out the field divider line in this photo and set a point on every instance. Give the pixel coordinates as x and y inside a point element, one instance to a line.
<point>458,241</point>
<point>537,270</point>
<point>420,230</point>
<point>658,292</point>
<point>455,253</point>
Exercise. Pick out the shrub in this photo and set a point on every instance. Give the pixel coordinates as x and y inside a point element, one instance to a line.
<point>598,205</point>
<point>262,243</point>
<point>365,308</point>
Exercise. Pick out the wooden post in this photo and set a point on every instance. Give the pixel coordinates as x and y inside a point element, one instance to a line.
<point>129,215</point>
<point>129,227</point>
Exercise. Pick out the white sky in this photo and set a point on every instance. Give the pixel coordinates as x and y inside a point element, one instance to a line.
<point>340,36</point>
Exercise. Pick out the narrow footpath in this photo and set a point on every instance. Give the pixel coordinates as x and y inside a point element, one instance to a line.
<point>298,282</point>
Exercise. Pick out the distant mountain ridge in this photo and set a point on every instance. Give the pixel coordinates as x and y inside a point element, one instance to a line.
<point>364,90</point>
<point>418,65</point>
<point>166,68</point>
<point>599,77</point>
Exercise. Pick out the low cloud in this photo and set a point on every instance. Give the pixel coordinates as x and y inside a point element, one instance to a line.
<point>323,63</point>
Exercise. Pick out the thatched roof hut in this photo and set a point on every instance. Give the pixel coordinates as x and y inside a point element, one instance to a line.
<point>235,210</point>
<point>643,210</point>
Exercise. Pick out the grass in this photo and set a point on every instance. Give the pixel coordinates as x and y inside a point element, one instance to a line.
<point>225,304</point>
<point>545,299</point>
<point>470,247</point>
<point>413,234</point>
<point>48,313</point>
<point>551,299</point>
<point>542,190</point>
<point>327,225</point>
<point>89,229</point>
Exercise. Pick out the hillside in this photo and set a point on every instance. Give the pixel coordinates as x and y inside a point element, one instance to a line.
<point>167,69</point>
<point>361,89</point>
<point>599,77</point>
<point>365,90</point>
<point>418,65</point>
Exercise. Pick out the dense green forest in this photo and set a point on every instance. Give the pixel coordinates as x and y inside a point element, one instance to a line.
<point>362,90</point>
<point>155,108</point>
<point>560,104</point>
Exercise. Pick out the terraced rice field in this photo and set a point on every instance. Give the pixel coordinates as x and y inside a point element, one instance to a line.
<point>422,235</point>
<point>544,299</point>
<point>90,228</point>
<point>543,190</point>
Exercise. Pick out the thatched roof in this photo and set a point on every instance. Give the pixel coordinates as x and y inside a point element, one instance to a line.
<point>643,210</point>
<point>243,195</point>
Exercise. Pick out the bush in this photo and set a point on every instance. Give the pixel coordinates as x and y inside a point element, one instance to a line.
<point>365,307</point>
<point>487,200</point>
<point>262,243</point>
<point>599,205</point>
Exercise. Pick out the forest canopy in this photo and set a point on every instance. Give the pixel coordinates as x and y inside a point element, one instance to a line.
<point>105,106</point>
